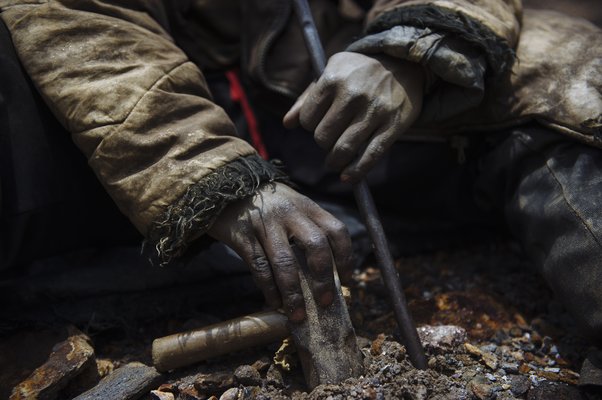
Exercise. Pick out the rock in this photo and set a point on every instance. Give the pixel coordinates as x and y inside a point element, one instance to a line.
<point>591,370</point>
<point>213,384</point>
<point>125,383</point>
<point>511,368</point>
<point>158,395</point>
<point>262,364</point>
<point>230,394</point>
<point>68,359</point>
<point>189,393</point>
<point>519,385</point>
<point>489,359</point>
<point>441,338</point>
<point>274,377</point>
<point>247,375</point>
<point>376,346</point>
<point>481,388</point>
<point>557,391</point>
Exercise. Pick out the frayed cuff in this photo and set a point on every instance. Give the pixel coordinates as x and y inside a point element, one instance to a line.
<point>195,212</point>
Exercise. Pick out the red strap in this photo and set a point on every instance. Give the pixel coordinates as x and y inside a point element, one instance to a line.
<point>237,94</point>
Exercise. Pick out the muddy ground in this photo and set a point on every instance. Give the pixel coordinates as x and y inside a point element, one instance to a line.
<point>492,330</point>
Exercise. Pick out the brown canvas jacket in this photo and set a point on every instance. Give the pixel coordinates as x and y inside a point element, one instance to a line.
<point>125,79</point>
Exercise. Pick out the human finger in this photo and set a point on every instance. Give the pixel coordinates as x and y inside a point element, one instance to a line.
<point>339,240</point>
<point>316,104</point>
<point>374,152</point>
<point>291,118</point>
<point>285,270</point>
<point>349,145</point>
<point>316,247</point>
<point>254,255</point>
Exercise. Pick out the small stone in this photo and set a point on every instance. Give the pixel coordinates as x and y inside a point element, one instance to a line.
<point>158,395</point>
<point>262,364</point>
<point>481,388</point>
<point>377,344</point>
<point>212,384</point>
<point>274,377</point>
<point>515,331</point>
<point>230,394</point>
<point>489,359</point>
<point>511,368</point>
<point>491,377</point>
<point>491,347</point>
<point>441,338</point>
<point>247,375</point>
<point>519,385</point>
<point>189,393</point>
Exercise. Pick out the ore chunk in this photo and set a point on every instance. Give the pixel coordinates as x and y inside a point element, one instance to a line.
<point>68,359</point>
<point>247,375</point>
<point>128,382</point>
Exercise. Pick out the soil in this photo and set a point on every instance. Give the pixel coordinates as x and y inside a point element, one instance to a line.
<point>506,338</point>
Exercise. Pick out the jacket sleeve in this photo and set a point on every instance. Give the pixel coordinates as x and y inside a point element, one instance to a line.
<point>460,43</point>
<point>139,110</point>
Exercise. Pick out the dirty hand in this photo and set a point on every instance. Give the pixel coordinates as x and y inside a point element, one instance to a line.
<point>358,108</point>
<point>261,228</point>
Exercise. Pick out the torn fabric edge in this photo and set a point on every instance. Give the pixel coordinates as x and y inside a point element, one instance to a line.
<point>195,212</point>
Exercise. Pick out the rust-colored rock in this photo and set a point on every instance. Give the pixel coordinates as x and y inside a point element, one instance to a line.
<point>68,359</point>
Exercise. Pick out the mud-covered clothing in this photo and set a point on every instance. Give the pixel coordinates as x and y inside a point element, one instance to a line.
<point>125,79</point>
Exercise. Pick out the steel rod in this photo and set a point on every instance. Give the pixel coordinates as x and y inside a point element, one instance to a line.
<point>367,209</point>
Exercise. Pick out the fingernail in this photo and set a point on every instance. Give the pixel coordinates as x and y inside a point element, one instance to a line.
<point>326,299</point>
<point>297,315</point>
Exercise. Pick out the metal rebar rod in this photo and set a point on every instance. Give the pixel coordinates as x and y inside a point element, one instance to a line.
<point>367,209</point>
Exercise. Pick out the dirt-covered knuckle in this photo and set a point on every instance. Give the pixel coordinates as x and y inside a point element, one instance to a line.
<point>343,148</point>
<point>322,138</point>
<point>293,301</point>
<point>336,229</point>
<point>284,261</point>
<point>316,242</point>
<point>260,267</point>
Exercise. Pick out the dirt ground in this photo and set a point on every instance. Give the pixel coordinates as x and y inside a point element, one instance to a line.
<point>491,328</point>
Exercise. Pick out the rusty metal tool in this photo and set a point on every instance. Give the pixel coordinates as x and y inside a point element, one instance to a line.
<point>325,341</point>
<point>182,349</point>
<point>366,206</point>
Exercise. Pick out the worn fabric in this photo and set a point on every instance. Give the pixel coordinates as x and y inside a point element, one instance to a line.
<point>127,80</point>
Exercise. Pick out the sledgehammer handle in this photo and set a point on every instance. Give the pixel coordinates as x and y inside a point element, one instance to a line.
<point>366,206</point>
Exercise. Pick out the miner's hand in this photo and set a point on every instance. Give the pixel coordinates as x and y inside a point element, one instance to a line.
<point>358,108</point>
<point>261,228</point>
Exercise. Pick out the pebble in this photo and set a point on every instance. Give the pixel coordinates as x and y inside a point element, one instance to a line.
<point>481,388</point>
<point>262,364</point>
<point>441,338</point>
<point>159,395</point>
<point>211,384</point>
<point>491,377</point>
<point>230,394</point>
<point>519,385</point>
<point>247,375</point>
<point>511,368</point>
<point>274,376</point>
